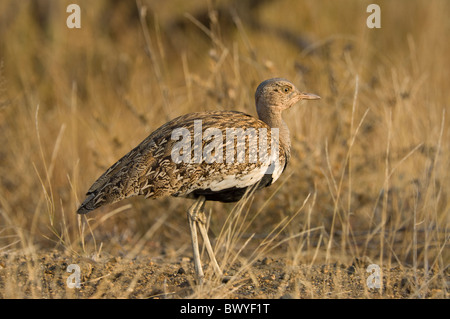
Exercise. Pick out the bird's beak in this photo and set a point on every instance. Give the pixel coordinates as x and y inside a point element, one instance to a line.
<point>308,96</point>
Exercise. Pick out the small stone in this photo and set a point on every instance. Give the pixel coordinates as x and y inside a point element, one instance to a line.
<point>267,261</point>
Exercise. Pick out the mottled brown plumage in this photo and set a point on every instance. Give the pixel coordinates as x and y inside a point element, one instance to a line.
<point>150,170</point>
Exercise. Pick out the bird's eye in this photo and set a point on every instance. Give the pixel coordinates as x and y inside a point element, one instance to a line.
<point>286,89</point>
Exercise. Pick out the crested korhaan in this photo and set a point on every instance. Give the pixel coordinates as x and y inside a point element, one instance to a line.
<point>213,155</point>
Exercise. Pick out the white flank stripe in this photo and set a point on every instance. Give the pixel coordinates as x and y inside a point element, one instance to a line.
<point>239,181</point>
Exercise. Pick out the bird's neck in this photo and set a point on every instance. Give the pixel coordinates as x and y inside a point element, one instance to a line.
<point>274,120</point>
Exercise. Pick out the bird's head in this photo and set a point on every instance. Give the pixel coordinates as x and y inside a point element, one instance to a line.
<point>276,95</point>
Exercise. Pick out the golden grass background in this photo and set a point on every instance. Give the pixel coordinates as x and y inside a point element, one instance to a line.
<point>371,158</point>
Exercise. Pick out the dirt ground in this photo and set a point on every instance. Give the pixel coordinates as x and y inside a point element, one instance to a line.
<point>45,275</point>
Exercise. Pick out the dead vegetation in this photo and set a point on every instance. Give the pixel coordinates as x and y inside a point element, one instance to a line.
<point>368,177</point>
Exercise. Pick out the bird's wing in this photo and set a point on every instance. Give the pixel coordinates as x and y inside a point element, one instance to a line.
<point>149,169</point>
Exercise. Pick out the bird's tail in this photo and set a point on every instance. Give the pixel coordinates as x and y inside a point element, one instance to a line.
<point>87,205</point>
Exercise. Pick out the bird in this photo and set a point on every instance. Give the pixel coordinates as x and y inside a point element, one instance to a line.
<point>206,156</point>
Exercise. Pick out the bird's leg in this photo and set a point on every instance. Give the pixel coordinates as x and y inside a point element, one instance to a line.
<point>192,213</point>
<point>201,222</point>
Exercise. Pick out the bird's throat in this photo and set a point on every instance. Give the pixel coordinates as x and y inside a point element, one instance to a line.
<point>274,120</point>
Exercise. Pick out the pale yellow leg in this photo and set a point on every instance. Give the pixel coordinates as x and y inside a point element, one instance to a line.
<point>196,217</point>
<point>201,221</point>
<point>192,212</point>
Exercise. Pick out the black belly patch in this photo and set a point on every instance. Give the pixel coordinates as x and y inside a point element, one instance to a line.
<point>229,195</point>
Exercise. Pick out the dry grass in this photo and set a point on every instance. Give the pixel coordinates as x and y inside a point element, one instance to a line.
<point>369,174</point>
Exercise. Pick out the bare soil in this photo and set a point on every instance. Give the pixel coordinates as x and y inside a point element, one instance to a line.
<point>45,275</point>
